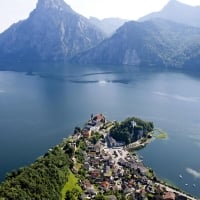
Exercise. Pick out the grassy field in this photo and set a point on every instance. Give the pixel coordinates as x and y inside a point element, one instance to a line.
<point>159,134</point>
<point>72,183</point>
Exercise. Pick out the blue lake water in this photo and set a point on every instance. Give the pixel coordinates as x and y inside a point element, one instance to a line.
<point>38,111</point>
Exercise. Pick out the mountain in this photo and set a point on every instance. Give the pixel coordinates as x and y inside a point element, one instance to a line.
<point>156,43</point>
<point>53,32</point>
<point>177,12</point>
<point>108,25</point>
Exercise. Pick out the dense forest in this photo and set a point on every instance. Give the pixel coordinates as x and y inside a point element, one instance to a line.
<point>44,179</point>
<point>123,131</point>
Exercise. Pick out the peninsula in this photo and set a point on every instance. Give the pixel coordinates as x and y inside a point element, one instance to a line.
<point>98,161</point>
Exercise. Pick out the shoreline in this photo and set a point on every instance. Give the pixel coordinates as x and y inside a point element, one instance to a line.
<point>122,161</point>
<point>91,164</point>
<point>138,145</point>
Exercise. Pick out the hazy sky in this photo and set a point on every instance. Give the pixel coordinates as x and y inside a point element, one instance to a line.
<point>14,10</point>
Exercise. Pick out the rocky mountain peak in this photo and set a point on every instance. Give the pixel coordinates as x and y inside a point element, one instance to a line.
<point>53,4</point>
<point>53,31</point>
<point>174,4</point>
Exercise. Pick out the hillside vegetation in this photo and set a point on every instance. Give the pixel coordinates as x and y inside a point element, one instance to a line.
<point>124,131</point>
<point>44,179</point>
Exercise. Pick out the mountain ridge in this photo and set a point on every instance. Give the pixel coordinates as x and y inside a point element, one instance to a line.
<point>108,25</point>
<point>53,32</point>
<point>177,12</point>
<point>155,43</point>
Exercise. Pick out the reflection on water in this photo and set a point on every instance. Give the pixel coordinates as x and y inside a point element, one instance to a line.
<point>38,109</point>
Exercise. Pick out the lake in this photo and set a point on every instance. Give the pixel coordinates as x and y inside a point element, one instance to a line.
<point>38,110</point>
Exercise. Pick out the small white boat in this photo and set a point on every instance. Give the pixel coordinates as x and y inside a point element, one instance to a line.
<point>193,185</point>
<point>186,184</point>
<point>180,176</point>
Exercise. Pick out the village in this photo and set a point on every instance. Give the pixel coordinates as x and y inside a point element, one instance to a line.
<point>108,168</point>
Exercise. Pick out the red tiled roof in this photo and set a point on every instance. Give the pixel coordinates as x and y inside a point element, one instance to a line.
<point>169,196</point>
<point>105,184</point>
<point>98,117</point>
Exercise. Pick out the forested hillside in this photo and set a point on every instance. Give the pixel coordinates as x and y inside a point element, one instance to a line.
<point>44,179</point>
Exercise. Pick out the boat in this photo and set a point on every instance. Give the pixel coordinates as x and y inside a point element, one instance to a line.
<point>180,176</point>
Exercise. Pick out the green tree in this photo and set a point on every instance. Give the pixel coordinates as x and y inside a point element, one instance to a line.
<point>69,149</point>
<point>41,180</point>
<point>70,196</point>
<point>100,197</point>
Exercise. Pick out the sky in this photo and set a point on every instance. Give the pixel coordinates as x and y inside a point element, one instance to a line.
<point>11,11</point>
